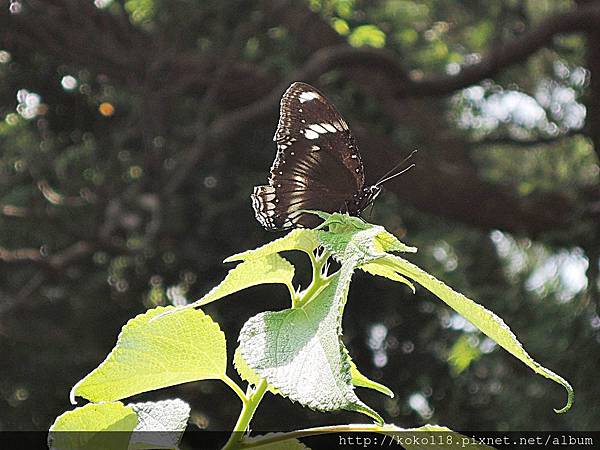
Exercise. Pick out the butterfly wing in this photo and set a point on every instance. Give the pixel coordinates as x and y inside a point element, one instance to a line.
<point>317,165</point>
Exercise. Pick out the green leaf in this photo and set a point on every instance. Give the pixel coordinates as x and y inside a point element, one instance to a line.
<point>462,354</point>
<point>270,268</point>
<point>246,373</point>
<point>383,271</point>
<point>387,242</point>
<point>302,239</point>
<point>166,418</point>
<point>367,35</point>
<point>300,353</point>
<point>152,354</point>
<point>359,380</point>
<point>339,222</point>
<point>488,322</point>
<point>353,247</point>
<point>85,428</point>
<point>352,240</point>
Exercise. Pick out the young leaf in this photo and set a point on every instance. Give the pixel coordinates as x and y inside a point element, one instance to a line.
<point>152,354</point>
<point>299,351</point>
<point>358,245</point>
<point>85,428</point>
<point>270,268</point>
<point>488,322</point>
<point>160,424</point>
<point>302,239</point>
<point>387,242</point>
<point>359,380</point>
<point>352,247</point>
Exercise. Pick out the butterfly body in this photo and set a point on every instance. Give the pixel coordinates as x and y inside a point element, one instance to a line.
<point>317,165</point>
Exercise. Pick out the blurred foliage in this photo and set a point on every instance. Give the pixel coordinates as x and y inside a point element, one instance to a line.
<point>82,150</point>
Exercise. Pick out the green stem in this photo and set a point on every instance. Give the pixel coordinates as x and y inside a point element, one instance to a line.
<point>365,428</point>
<point>235,388</point>
<point>246,416</point>
<point>318,281</point>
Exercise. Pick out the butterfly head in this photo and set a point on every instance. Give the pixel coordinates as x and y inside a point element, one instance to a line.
<point>365,197</point>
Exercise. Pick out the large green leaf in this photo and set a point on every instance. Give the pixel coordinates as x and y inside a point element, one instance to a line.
<point>267,269</point>
<point>488,322</point>
<point>299,351</point>
<point>95,426</point>
<point>152,354</point>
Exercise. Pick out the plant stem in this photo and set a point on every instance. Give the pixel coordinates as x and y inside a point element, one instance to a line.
<point>312,432</point>
<point>318,281</point>
<point>235,388</point>
<point>246,416</point>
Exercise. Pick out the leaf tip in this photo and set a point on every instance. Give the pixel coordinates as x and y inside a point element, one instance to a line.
<point>570,399</point>
<point>73,394</point>
<point>364,409</point>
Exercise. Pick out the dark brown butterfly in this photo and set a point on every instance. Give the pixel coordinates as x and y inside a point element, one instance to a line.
<point>317,166</point>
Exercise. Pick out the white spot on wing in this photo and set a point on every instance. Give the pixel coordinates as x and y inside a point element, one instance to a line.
<point>329,127</point>
<point>307,96</point>
<point>317,128</point>
<point>310,134</point>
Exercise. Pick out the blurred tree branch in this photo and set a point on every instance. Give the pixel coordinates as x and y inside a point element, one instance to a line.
<point>115,47</point>
<point>526,143</point>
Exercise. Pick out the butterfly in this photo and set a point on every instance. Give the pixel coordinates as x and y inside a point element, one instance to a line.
<point>317,165</point>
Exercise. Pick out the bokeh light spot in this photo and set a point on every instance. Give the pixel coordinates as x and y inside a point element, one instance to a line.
<point>106,109</point>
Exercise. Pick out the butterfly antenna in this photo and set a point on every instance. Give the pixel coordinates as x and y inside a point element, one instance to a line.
<point>395,167</point>
<point>395,175</point>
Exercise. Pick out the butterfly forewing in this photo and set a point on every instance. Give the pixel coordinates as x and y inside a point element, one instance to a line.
<point>305,114</point>
<point>317,165</point>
